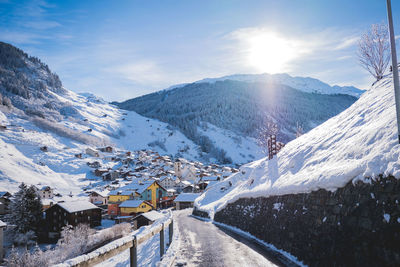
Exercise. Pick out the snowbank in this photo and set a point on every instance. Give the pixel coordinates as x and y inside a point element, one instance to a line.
<point>358,144</point>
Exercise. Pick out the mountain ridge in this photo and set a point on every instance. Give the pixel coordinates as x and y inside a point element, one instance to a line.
<point>305,84</point>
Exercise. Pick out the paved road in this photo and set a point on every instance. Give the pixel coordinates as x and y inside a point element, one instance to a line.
<point>204,244</point>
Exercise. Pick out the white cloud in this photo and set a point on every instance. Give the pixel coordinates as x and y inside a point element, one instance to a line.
<point>140,72</point>
<point>288,52</point>
<point>21,37</point>
<point>347,42</point>
<point>42,24</point>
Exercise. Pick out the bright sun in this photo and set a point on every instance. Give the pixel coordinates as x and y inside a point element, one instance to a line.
<point>270,53</point>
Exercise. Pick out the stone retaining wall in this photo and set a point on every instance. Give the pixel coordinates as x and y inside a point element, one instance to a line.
<point>358,225</point>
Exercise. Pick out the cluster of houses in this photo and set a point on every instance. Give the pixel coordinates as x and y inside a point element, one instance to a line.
<point>130,187</point>
<point>176,176</point>
<point>144,180</point>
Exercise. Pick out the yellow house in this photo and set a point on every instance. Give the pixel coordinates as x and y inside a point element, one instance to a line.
<point>149,191</point>
<point>152,192</point>
<point>130,207</point>
<point>116,196</point>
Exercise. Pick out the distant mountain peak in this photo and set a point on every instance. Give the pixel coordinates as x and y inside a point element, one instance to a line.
<point>305,84</point>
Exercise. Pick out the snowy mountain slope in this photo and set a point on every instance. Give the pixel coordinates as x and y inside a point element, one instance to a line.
<point>16,168</point>
<point>239,107</point>
<point>27,84</point>
<point>62,170</point>
<point>358,144</point>
<point>305,84</point>
<point>240,149</point>
<point>126,129</point>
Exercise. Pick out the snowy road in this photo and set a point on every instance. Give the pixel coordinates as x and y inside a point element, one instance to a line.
<point>204,244</point>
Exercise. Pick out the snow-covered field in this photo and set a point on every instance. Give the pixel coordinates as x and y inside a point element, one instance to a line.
<point>358,144</point>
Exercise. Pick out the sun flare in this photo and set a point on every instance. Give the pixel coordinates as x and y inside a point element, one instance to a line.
<point>269,52</point>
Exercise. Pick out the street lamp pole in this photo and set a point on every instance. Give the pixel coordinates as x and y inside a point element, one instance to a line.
<point>394,66</point>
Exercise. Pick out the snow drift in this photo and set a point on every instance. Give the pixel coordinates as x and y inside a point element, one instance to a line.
<point>358,144</point>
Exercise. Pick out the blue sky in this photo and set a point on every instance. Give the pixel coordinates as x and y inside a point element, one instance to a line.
<point>123,49</point>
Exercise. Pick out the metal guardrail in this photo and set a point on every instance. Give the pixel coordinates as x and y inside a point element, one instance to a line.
<point>128,242</point>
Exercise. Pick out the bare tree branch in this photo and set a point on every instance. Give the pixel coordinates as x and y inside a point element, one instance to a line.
<point>374,50</point>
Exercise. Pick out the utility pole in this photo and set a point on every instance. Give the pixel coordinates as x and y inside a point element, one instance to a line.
<point>394,66</point>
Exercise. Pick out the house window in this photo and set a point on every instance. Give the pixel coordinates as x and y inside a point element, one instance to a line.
<point>143,206</point>
<point>55,213</point>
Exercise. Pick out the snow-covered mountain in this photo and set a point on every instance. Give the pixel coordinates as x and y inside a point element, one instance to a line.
<point>359,144</point>
<point>241,105</point>
<point>28,85</point>
<point>66,126</point>
<point>305,84</point>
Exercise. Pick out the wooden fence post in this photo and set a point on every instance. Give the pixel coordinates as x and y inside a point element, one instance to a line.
<point>162,241</point>
<point>171,231</point>
<point>133,253</point>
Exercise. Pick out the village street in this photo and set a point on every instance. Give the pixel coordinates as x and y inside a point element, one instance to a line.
<point>204,244</point>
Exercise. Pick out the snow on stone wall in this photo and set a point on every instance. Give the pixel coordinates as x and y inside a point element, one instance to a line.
<point>357,225</point>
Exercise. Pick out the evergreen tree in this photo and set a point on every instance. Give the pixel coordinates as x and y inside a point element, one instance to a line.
<point>25,214</point>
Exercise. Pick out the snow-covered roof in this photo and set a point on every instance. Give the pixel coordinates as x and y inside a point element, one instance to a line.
<point>134,186</point>
<point>123,217</point>
<point>210,178</point>
<point>186,197</point>
<point>47,201</point>
<point>102,193</point>
<point>46,188</point>
<point>131,203</point>
<point>3,193</point>
<point>152,215</point>
<point>187,183</point>
<point>75,206</point>
<point>2,224</point>
<point>359,144</point>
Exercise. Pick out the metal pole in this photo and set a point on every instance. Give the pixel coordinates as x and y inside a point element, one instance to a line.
<point>394,66</point>
<point>162,241</point>
<point>133,253</point>
<point>171,232</point>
